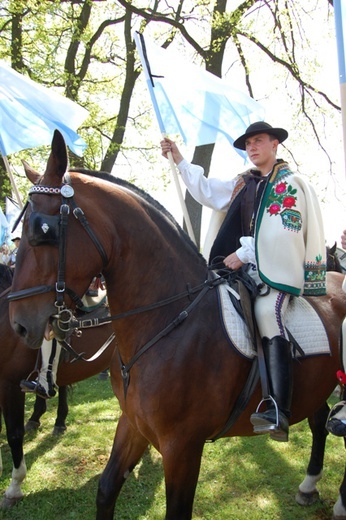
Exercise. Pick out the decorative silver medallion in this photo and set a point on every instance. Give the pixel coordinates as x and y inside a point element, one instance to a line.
<point>45,227</point>
<point>67,191</point>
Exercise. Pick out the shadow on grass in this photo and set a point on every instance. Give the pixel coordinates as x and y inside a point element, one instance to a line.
<point>250,472</point>
<point>241,478</point>
<point>259,480</point>
<point>136,498</point>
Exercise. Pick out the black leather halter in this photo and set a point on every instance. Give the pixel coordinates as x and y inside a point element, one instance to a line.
<point>52,230</point>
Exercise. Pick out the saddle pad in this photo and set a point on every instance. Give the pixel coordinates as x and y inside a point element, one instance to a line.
<point>90,303</point>
<point>302,321</point>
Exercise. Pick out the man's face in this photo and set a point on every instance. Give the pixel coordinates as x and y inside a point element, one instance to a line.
<point>261,149</point>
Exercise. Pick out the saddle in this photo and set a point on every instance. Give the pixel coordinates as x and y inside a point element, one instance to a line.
<point>303,324</point>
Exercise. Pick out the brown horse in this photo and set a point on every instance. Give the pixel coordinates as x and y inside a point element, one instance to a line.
<point>17,361</point>
<point>176,376</point>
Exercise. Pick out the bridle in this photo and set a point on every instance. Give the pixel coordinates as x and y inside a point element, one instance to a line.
<point>52,230</point>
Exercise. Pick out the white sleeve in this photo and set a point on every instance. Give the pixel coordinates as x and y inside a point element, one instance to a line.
<point>211,192</point>
<point>246,253</point>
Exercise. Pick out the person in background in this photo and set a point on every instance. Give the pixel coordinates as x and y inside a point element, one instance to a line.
<point>4,254</point>
<point>13,254</point>
<point>273,229</point>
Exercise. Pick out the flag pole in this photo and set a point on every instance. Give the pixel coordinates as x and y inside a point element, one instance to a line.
<point>139,40</point>
<point>180,195</point>
<point>339,26</point>
<point>13,184</point>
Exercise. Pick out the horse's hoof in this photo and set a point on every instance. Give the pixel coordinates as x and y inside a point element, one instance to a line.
<point>7,503</point>
<point>307,499</point>
<point>59,430</point>
<point>338,517</point>
<point>32,426</point>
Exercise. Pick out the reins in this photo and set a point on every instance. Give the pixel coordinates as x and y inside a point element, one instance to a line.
<point>204,288</point>
<point>94,322</point>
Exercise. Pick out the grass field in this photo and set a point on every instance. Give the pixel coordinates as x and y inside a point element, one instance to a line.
<point>241,478</point>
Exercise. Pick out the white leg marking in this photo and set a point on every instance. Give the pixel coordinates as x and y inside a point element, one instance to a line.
<point>309,483</point>
<point>18,475</point>
<point>338,509</point>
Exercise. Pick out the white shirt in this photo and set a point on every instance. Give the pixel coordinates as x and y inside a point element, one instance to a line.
<point>215,194</point>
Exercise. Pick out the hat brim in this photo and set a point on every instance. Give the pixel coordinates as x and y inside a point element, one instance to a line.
<point>280,133</point>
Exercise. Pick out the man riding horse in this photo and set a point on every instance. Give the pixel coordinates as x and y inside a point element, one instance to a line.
<point>273,227</point>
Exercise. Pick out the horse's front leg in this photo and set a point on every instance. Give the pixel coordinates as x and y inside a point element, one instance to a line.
<point>128,448</point>
<point>307,492</point>
<point>60,422</point>
<point>13,412</point>
<point>181,462</point>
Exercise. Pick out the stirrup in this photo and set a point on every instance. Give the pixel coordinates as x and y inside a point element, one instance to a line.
<point>336,422</point>
<point>36,388</point>
<point>265,426</point>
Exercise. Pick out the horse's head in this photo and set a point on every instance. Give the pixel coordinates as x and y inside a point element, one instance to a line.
<point>39,291</point>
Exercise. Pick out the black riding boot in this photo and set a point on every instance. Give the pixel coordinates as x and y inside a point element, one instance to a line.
<point>278,358</point>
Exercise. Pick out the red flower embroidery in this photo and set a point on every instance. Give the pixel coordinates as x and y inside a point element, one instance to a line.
<point>274,209</point>
<point>288,202</point>
<point>281,188</point>
<point>282,196</point>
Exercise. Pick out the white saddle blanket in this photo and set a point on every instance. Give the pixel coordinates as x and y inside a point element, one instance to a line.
<point>302,321</point>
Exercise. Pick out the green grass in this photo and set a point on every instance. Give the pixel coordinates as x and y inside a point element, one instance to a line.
<point>240,478</point>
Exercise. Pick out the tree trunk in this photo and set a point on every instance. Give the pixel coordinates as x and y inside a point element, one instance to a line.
<point>124,108</point>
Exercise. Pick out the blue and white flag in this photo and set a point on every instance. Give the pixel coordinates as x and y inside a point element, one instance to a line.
<point>192,102</point>
<point>30,112</point>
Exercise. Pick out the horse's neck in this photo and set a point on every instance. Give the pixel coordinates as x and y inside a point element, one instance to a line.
<point>150,275</point>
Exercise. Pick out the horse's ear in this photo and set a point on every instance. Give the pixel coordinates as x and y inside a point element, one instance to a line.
<point>31,174</point>
<point>332,250</point>
<point>58,160</point>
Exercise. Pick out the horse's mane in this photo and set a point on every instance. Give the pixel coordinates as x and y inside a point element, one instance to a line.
<point>145,196</point>
<point>6,276</point>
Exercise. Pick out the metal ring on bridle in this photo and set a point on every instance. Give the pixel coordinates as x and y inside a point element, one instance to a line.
<point>63,322</point>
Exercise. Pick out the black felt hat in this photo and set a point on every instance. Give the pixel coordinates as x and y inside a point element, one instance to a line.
<point>260,128</point>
